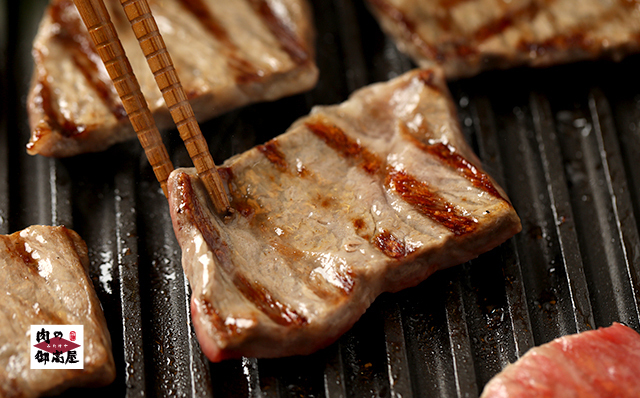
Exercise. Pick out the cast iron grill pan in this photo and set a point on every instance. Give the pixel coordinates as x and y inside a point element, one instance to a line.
<point>563,141</point>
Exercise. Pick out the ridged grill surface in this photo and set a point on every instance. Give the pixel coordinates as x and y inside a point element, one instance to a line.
<point>564,142</point>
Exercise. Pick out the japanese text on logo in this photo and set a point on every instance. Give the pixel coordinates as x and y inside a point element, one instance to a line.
<point>57,346</point>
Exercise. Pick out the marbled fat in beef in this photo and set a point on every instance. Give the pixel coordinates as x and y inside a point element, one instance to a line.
<point>600,363</point>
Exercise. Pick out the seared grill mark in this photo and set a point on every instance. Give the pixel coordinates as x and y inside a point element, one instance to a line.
<point>243,207</point>
<point>336,139</point>
<point>245,71</point>
<point>226,173</point>
<point>200,10</point>
<point>412,191</point>
<point>52,120</point>
<point>239,202</point>
<point>361,228</point>
<point>557,43</point>
<point>213,315</point>
<point>287,39</point>
<point>340,277</point>
<point>580,36</point>
<point>228,326</point>
<point>359,224</point>
<point>257,294</point>
<point>15,247</point>
<point>279,312</point>
<point>408,29</point>
<point>250,209</point>
<point>271,151</point>
<point>324,201</point>
<point>428,78</point>
<point>501,24</point>
<point>447,154</point>
<point>420,196</point>
<point>75,39</point>
<point>324,291</point>
<point>390,245</point>
<point>629,4</point>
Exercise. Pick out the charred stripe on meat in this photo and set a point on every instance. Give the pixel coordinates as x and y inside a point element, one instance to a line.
<point>76,40</point>
<point>271,151</point>
<point>408,28</point>
<point>287,39</point>
<point>415,192</point>
<point>343,280</point>
<point>419,195</point>
<point>448,155</point>
<point>336,139</point>
<point>16,247</point>
<point>390,245</point>
<point>260,296</point>
<point>245,70</point>
<point>498,26</point>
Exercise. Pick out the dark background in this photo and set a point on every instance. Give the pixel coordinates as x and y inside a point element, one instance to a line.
<point>564,142</point>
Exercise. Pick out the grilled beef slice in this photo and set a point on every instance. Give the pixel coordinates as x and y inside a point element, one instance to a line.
<point>43,272</point>
<point>368,196</point>
<point>600,363</point>
<point>228,53</point>
<point>466,37</point>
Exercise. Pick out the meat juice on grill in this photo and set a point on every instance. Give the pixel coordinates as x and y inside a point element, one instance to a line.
<point>466,37</point>
<point>227,53</point>
<point>43,271</point>
<point>368,196</point>
<point>600,363</point>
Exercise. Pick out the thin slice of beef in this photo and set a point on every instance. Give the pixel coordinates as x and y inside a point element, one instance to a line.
<point>368,196</point>
<point>43,272</point>
<point>466,37</point>
<point>227,53</point>
<point>600,363</point>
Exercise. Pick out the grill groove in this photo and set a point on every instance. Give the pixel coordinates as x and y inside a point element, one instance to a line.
<point>561,209</point>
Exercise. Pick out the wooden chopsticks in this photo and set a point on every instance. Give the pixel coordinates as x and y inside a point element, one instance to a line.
<point>98,22</point>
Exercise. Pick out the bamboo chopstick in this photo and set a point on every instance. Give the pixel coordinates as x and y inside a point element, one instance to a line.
<point>146,31</point>
<point>104,36</point>
<point>102,32</point>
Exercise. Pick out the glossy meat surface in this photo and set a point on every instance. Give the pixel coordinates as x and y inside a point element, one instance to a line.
<point>43,272</point>
<point>368,196</point>
<point>227,53</point>
<point>466,37</point>
<point>599,363</point>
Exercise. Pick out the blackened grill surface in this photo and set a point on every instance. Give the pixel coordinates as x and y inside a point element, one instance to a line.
<point>564,142</point>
